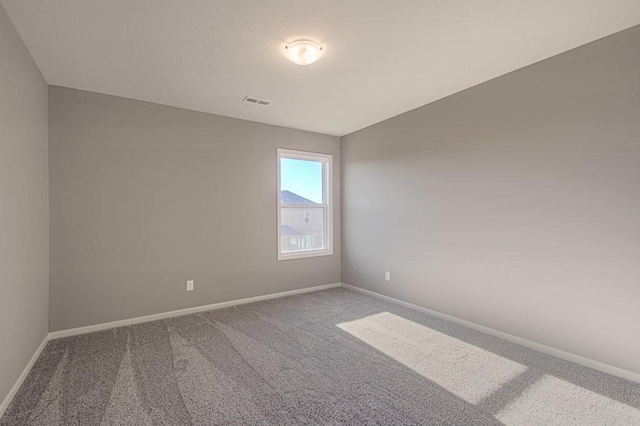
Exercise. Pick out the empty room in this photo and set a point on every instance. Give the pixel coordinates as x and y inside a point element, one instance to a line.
<point>319,212</point>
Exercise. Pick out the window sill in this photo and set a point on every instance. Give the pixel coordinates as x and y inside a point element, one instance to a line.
<point>304,255</point>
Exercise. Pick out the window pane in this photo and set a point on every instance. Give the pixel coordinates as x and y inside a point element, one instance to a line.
<point>300,181</point>
<point>302,229</point>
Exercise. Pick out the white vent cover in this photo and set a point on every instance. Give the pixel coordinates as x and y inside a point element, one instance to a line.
<point>256,101</point>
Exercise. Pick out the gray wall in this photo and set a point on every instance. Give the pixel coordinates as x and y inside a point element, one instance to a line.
<point>514,204</point>
<point>145,197</point>
<point>24,207</point>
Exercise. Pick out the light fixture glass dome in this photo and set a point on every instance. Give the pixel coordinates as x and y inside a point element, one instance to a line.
<point>303,52</point>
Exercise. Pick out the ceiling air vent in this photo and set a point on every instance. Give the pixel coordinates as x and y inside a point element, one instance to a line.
<point>256,101</point>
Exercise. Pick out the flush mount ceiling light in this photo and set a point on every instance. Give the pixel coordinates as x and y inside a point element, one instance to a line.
<point>303,52</point>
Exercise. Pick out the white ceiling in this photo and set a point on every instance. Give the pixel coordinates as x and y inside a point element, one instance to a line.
<point>381,58</point>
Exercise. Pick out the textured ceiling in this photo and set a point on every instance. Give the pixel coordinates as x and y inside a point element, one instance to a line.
<point>381,58</point>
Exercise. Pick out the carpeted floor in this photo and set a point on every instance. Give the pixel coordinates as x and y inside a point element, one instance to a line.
<point>331,357</point>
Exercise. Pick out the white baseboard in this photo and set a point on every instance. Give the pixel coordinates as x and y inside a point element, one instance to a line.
<point>558,353</point>
<point>181,312</point>
<point>138,320</point>
<point>596,365</point>
<point>14,389</point>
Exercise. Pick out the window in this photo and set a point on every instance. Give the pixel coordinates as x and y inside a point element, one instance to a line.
<point>305,225</point>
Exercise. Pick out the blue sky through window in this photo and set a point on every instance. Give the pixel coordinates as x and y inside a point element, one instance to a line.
<point>302,177</point>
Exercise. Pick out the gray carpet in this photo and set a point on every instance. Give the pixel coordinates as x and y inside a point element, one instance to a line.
<point>331,357</point>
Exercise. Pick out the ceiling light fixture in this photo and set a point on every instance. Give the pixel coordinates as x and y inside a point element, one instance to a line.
<point>303,52</point>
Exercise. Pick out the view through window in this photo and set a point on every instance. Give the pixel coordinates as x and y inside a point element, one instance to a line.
<point>304,214</point>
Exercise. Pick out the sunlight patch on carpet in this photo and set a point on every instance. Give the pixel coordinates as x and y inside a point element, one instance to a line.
<point>553,401</point>
<point>467,371</point>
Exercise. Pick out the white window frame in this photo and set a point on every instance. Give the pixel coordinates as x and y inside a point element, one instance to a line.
<point>327,204</point>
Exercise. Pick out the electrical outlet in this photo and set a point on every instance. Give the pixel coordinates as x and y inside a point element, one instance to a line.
<point>387,276</point>
<point>190,285</point>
